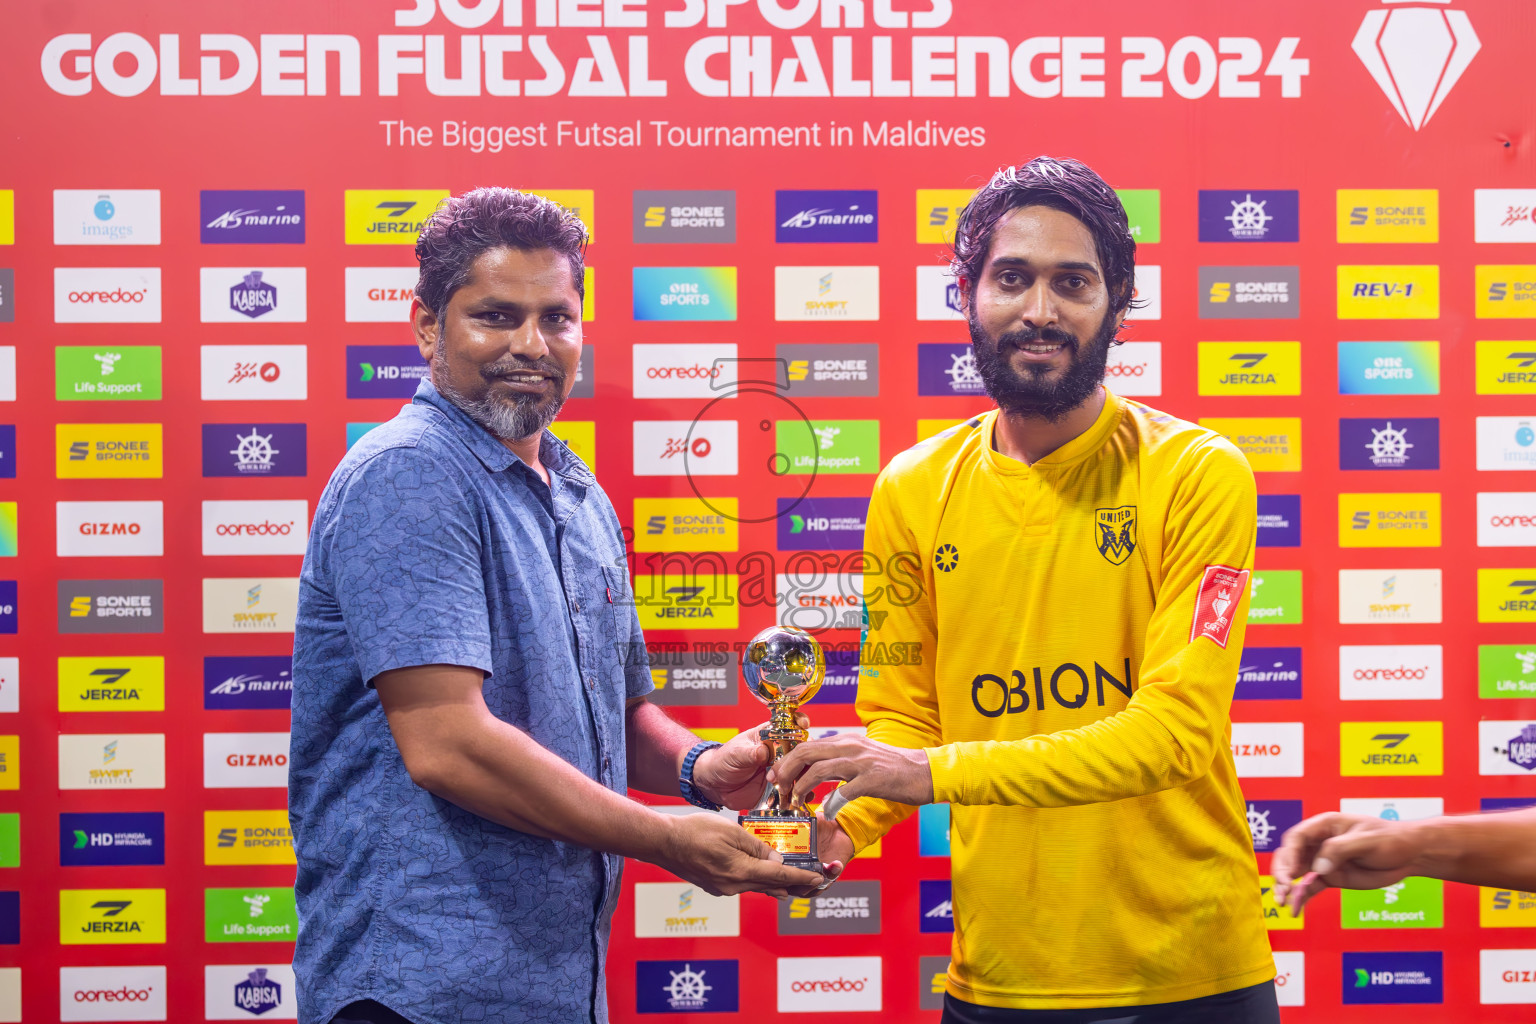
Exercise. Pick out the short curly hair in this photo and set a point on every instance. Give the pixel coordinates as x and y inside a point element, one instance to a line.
<point>1067,185</point>
<point>463,227</point>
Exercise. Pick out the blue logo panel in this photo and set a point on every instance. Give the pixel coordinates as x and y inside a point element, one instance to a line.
<point>1249,215</point>
<point>384,371</point>
<point>8,615</point>
<point>239,684</point>
<point>1268,821</point>
<point>841,683</point>
<point>7,452</point>
<point>822,524</point>
<point>804,215</point>
<point>933,830</point>
<point>355,432</point>
<point>686,986</point>
<point>1397,442</point>
<point>948,369</point>
<point>1269,673</point>
<point>10,918</point>
<point>1279,520</point>
<point>245,216</point>
<point>1371,978</point>
<point>1506,803</point>
<point>255,449</point>
<point>108,838</point>
<point>935,910</point>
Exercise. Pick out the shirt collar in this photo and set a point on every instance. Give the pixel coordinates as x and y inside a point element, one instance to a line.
<point>494,455</point>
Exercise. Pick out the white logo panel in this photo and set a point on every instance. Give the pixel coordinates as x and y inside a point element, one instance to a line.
<point>380,295</point>
<point>1506,520</point>
<point>1147,288</point>
<point>684,447</point>
<point>1290,978</point>
<point>245,760</point>
<point>1411,808</point>
<point>259,295</point>
<point>684,371</point>
<point>938,294</point>
<point>112,760</point>
<point>255,527</point>
<point>1506,748</point>
<point>122,216</point>
<point>250,604</point>
<point>10,685</point>
<point>1388,595</point>
<point>1135,368</point>
<point>106,295</point>
<point>1268,750</point>
<point>1505,214</point>
<point>820,600</point>
<point>97,529</point>
<point>1506,442</point>
<point>1391,672</point>
<point>110,993</point>
<point>818,984</point>
<point>667,909</point>
<point>1508,976</point>
<point>255,373</point>
<point>826,293</point>
<point>249,991</point>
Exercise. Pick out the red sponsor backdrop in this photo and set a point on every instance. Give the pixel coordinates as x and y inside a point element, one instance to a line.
<point>1077,82</point>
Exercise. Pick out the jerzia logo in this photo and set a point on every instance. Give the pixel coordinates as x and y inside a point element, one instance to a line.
<point>1416,55</point>
<point>1117,533</point>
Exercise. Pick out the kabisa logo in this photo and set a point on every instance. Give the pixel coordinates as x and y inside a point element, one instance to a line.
<point>384,371</point>
<point>1250,293</point>
<point>112,838</point>
<point>1393,977</point>
<point>248,682</point>
<point>1416,55</point>
<point>1397,443</point>
<point>254,449</point>
<point>252,216</point>
<point>674,216</point>
<point>821,524</point>
<point>948,369</point>
<point>819,216</point>
<point>252,297</point>
<point>1116,534</point>
<point>934,906</point>
<point>693,986</point>
<point>1268,820</point>
<point>1253,215</point>
<point>1009,693</point>
<point>257,993</point>
<point>684,293</point>
<point>245,295</point>
<point>388,216</point>
<point>1269,673</point>
<point>1520,751</point>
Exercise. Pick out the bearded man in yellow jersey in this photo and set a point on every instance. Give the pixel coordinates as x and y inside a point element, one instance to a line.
<point>1084,564</point>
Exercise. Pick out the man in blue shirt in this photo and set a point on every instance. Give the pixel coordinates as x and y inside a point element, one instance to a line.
<point>467,707</point>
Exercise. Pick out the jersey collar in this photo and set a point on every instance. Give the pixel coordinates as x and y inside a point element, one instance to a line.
<point>1081,446</point>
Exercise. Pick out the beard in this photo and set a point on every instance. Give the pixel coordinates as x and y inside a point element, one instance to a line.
<point>508,418</point>
<point>1031,392</point>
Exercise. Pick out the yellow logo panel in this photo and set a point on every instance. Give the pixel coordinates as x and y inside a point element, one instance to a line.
<point>1391,748</point>
<point>687,601</point>
<point>1250,368</point>
<point>580,436</point>
<point>715,735</point>
<point>112,684</point>
<point>577,200</point>
<point>117,917</point>
<point>686,524</point>
<point>933,428</point>
<point>389,216</point>
<point>1276,917</point>
<point>1506,292</point>
<point>247,837</point>
<point>1506,367</point>
<point>588,294</point>
<point>1506,595</point>
<point>1506,908</point>
<point>1272,444</point>
<point>10,762</point>
<point>938,209</point>
<point>88,451</point>
<point>7,216</point>
<point>1389,215</point>
<point>1389,292</point>
<point>1389,520</point>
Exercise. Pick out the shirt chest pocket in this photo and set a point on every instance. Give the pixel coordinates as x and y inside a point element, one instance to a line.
<point>616,599</point>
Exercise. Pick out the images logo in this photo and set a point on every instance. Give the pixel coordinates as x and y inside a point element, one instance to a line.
<point>111,916</point>
<point>111,606</point>
<point>1389,367</point>
<point>1401,672</point>
<point>1398,443</point>
<point>1416,55</point>
<point>683,447</point>
<point>378,295</point>
<point>1268,820</point>
<point>120,372</point>
<point>1379,520</point>
<point>247,682</point>
<point>254,449</point>
<point>252,217</point>
<point>1250,293</point>
<point>250,915</point>
<point>83,216</point>
<point>1135,368</point>
<point>1389,595</point>
<point>384,371</point>
<point>819,216</point>
<point>388,216</point>
<point>821,524</point>
<point>1506,670</point>
<point>106,295</point>
<point>938,211</point>
<point>831,371</point>
<point>673,216</point>
<point>1393,977</point>
<point>1388,215</point>
<point>1505,214</point>
<point>1391,748</point>
<point>833,446</point>
<point>244,605</point>
<point>947,369</point>
<point>247,837</point>
<point>1250,368</point>
<point>693,986</point>
<point>685,524</point>
<point>111,838</point>
<point>684,293</point>
<point>116,683</point>
<point>1279,521</point>
<point>1269,673</point>
<point>237,295</point>
<point>1506,292</point>
<point>1506,442</point>
<point>1265,215</point>
<point>1378,292</point>
<point>1271,445</point>
<point>826,293</point>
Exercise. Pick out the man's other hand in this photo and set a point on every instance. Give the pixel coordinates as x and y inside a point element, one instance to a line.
<point>720,858</point>
<point>735,774</point>
<point>866,767</point>
<point>1346,851</point>
<point>834,849</point>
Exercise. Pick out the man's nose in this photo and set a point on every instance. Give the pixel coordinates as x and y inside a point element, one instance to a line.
<point>528,340</point>
<point>1039,309</point>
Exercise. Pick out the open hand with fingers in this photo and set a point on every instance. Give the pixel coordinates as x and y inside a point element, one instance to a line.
<point>1346,851</point>
<point>866,767</point>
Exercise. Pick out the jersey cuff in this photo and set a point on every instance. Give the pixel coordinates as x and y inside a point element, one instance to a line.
<point>946,764</point>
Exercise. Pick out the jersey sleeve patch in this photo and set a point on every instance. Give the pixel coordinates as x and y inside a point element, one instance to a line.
<point>1221,589</point>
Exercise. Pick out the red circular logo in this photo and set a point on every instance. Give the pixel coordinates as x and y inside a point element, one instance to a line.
<point>270,372</point>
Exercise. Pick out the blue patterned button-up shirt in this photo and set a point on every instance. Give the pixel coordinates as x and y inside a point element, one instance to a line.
<point>434,544</point>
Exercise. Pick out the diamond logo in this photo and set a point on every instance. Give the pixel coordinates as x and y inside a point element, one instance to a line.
<point>1416,55</point>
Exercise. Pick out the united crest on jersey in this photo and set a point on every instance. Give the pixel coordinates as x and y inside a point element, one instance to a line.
<point>1117,532</point>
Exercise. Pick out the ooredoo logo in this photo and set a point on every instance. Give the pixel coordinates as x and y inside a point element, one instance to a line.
<point>838,985</point>
<point>1506,519</point>
<point>1391,672</point>
<point>111,993</point>
<point>99,295</point>
<point>685,371</point>
<point>1135,368</point>
<point>255,527</point>
<point>821,984</point>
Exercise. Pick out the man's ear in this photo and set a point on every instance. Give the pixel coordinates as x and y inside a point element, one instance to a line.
<point>965,294</point>
<point>426,326</point>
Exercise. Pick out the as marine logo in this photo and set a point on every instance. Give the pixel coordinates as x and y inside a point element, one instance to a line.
<point>1117,533</point>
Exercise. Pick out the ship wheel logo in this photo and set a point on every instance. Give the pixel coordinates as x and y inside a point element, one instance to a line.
<point>1389,447</point>
<point>1248,218</point>
<point>686,992</point>
<point>254,452</point>
<point>1259,826</point>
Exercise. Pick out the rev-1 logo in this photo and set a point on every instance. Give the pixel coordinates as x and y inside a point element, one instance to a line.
<point>993,696</point>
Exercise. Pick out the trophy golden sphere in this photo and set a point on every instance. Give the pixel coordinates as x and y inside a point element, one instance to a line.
<point>783,665</point>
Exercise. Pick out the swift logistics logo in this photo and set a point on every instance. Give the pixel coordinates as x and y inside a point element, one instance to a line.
<point>111,916</point>
<point>806,215</point>
<point>676,216</point>
<point>1272,444</point>
<point>251,216</point>
<point>1391,672</point>
<point>106,373</point>
<point>1506,595</point>
<point>1504,214</point>
<point>831,446</point>
<point>853,908</point>
<point>106,295</point>
<point>250,915</point>
<point>826,293</point>
<point>831,371</point>
<point>1506,367</point>
<point>245,295</point>
<point>379,295</point>
<point>1279,522</point>
<point>1250,368</point>
<point>388,216</point>
<point>255,450</point>
<point>1404,978</point>
<point>1389,367</point>
<point>1251,215</point>
<point>1378,520</point>
<point>1391,748</point>
<point>1268,820</point>
<point>1388,215</point>
<point>1416,55</point>
<point>686,524</point>
<point>686,986</point>
<point>1389,595</point>
<point>247,837</point>
<point>821,524</point>
<point>112,683</point>
<point>1410,903</point>
<point>111,606</point>
<point>1506,292</point>
<point>1506,670</point>
<point>247,682</point>
<point>684,293</point>
<point>947,368</point>
<point>106,529</point>
<point>93,451</point>
<point>1402,442</point>
<point>250,605</point>
<point>1507,747</point>
<point>670,909</point>
<point>88,216</point>
<point>1269,673</point>
<point>1269,750</point>
<point>117,839</point>
<point>1388,292</point>
<point>384,371</point>
<point>112,760</point>
<point>1250,293</point>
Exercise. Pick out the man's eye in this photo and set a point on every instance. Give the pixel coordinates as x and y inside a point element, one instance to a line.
<point>492,316</point>
<point>558,318</point>
<point>1075,282</point>
<point>1009,279</point>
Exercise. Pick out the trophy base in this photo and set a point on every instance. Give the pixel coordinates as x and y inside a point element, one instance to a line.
<point>794,837</point>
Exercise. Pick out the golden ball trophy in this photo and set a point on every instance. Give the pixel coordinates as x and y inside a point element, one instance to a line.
<point>783,667</point>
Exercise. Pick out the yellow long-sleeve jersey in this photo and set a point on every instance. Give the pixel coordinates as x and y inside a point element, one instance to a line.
<point>1081,620</point>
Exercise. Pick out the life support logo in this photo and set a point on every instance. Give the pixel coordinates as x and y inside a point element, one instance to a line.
<point>1221,590</point>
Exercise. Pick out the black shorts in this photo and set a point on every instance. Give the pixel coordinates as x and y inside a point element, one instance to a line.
<point>1254,1005</point>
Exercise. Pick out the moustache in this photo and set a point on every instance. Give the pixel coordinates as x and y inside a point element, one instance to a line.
<point>1036,335</point>
<point>516,365</point>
